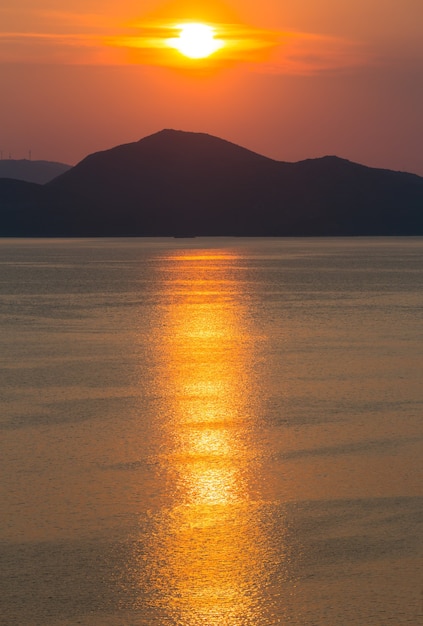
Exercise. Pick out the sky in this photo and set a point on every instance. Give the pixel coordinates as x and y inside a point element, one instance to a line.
<point>291,79</point>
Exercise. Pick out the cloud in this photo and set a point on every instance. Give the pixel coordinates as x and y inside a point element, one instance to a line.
<point>50,48</point>
<point>307,53</point>
<point>92,40</point>
<point>260,50</point>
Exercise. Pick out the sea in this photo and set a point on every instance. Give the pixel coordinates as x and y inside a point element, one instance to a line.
<point>211,432</point>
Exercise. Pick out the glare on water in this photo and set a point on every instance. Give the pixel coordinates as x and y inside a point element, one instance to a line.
<point>208,553</point>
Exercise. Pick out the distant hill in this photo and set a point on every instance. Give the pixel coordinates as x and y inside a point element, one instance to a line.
<point>180,183</point>
<point>32,210</point>
<point>31,171</point>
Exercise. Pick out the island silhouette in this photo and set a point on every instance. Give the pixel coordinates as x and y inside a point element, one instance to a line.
<point>177,183</point>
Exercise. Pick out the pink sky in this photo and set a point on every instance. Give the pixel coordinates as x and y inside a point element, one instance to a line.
<point>303,78</point>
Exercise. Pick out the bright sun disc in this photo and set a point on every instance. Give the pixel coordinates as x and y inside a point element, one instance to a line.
<point>196,41</point>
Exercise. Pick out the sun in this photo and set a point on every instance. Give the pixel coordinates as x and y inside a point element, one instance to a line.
<point>196,41</point>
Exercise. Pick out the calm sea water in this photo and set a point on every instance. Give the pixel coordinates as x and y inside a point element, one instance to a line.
<point>211,432</point>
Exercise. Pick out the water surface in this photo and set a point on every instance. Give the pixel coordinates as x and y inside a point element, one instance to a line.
<point>211,432</point>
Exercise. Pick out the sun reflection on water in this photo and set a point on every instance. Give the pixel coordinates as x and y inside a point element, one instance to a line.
<point>207,555</point>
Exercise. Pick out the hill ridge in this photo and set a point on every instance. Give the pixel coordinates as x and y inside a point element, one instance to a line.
<point>174,182</point>
<point>35,171</point>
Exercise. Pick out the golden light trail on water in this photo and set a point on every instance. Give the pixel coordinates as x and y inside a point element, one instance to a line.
<point>208,557</point>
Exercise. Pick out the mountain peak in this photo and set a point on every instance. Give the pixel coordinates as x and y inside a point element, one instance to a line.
<point>197,146</point>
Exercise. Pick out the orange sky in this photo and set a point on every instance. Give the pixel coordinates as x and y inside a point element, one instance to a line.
<point>295,78</point>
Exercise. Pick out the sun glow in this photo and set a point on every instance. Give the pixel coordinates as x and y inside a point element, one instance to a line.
<point>196,41</point>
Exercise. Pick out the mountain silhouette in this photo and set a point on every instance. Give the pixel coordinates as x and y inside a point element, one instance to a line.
<point>176,183</point>
<point>31,171</point>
